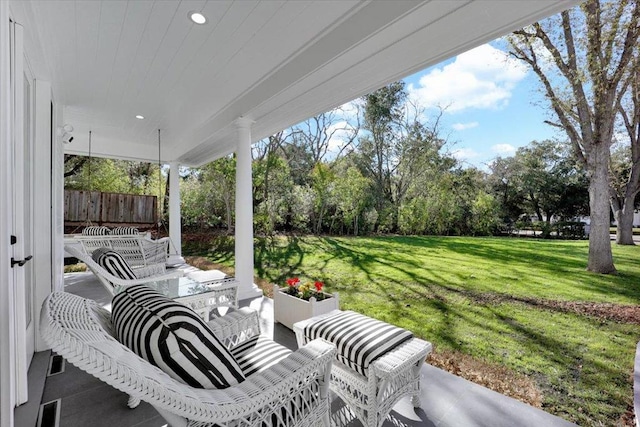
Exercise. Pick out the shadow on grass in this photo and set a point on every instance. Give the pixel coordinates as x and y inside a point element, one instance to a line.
<point>429,285</point>
<point>554,265</point>
<point>270,255</point>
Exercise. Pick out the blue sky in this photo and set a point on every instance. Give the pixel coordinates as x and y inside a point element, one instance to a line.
<point>493,104</point>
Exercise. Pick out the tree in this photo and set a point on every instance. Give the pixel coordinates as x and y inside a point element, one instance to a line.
<point>323,184</point>
<point>73,164</point>
<point>273,193</point>
<point>220,179</point>
<point>504,186</point>
<point>351,194</point>
<point>325,134</point>
<point>625,162</point>
<point>383,113</point>
<point>417,156</point>
<point>485,214</point>
<point>582,59</point>
<point>550,180</point>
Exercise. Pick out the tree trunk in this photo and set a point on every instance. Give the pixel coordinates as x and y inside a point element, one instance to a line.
<point>624,218</point>
<point>600,256</point>
<point>538,212</point>
<point>320,215</point>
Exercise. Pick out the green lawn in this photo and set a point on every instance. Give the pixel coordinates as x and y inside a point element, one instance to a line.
<point>473,296</point>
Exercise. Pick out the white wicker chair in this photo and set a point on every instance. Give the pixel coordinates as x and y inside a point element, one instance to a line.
<point>293,392</point>
<point>137,249</point>
<point>111,282</point>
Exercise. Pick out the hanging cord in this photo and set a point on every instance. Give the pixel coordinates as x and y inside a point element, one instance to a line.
<point>161,209</point>
<point>90,183</point>
<point>87,221</point>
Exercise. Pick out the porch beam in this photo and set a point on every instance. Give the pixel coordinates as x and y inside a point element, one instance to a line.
<point>244,213</point>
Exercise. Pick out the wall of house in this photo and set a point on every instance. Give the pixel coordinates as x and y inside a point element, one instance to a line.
<point>7,325</point>
<point>47,226</point>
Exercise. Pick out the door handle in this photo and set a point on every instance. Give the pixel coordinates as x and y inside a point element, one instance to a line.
<point>20,262</point>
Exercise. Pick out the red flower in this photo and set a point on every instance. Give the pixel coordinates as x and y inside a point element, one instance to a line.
<point>293,282</point>
<point>318,286</point>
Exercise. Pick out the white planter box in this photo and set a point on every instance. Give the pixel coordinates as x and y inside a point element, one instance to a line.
<point>288,309</point>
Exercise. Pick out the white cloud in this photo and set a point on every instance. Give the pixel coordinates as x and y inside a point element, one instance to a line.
<point>483,77</point>
<point>504,149</point>
<point>340,132</point>
<point>464,154</point>
<point>464,126</point>
<point>348,111</point>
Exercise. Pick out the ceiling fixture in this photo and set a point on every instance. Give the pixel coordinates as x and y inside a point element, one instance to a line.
<point>139,117</point>
<point>197,18</point>
<point>64,132</point>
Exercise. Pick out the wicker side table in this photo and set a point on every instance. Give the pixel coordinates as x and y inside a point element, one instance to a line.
<point>201,297</point>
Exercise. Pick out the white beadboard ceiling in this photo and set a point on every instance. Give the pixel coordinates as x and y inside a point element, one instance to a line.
<point>274,62</point>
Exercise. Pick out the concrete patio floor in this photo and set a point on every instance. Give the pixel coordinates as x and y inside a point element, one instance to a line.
<point>447,400</point>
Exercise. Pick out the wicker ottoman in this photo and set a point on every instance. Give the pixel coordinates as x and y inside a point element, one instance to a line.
<point>376,365</point>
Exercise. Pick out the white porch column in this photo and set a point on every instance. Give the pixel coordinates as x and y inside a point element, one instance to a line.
<point>175,223</point>
<point>244,213</point>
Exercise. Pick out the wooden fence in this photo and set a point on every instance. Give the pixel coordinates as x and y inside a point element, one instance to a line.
<point>109,209</point>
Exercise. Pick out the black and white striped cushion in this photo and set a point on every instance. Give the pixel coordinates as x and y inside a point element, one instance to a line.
<point>124,231</point>
<point>258,353</point>
<point>114,263</point>
<point>360,339</point>
<point>172,337</point>
<point>95,230</point>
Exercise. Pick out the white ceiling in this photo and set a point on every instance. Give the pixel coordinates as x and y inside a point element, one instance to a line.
<point>274,62</point>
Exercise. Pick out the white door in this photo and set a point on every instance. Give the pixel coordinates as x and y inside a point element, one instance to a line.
<point>22,244</point>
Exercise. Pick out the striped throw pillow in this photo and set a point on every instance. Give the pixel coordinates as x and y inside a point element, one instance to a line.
<point>172,337</point>
<point>114,263</point>
<point>360,339</point>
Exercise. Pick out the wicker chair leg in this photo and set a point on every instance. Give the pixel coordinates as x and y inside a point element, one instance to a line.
<point>415,399</point>
<point>324,393</point>
<point>133,402</point>
<point>326,419</point>
<point>372,419</point>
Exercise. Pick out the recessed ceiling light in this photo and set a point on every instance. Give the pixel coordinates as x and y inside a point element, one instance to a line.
<point>198,18</point>
<point>139,117</point>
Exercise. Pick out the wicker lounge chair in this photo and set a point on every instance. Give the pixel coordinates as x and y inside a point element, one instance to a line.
<point>136,248</point>
<point>111,282</point>
<point>290,393</point>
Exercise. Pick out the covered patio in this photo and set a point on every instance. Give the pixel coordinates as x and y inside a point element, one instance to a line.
<point>447,400</point>
<point>151,85</point>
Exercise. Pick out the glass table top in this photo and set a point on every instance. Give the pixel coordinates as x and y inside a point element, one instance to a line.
<point>178,287</point>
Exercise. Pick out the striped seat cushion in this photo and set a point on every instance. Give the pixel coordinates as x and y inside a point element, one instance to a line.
<point>360,339</point>
<point>114,263</point>
<point>95,230</point>
<point>125,231</point>
<point>172,337</point>
<point>258,353</point>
